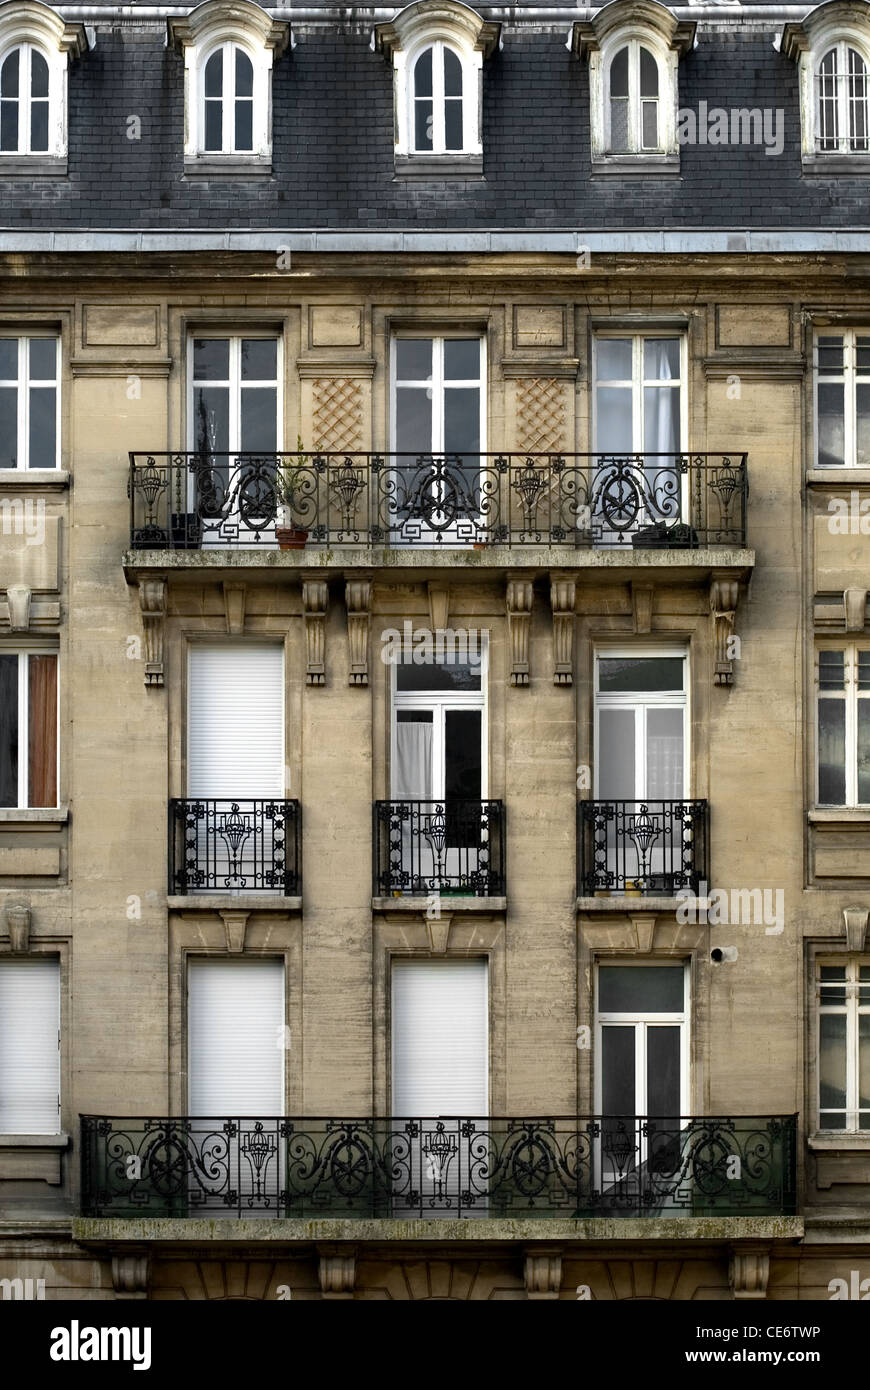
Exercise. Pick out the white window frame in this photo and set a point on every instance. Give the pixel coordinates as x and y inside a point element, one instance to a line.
<point>849,378</point>
<point>241,24</point>
<point>809,43</point>
<point>853,1009</point>
<point>850,695</point>
<point>34,26</point>
<point>470,134</point>
<point>233,383</point>
<point>228,101</point>
<point>845,100</point>
<point>24,655</point>
<point>639,381</point>
<point>436,384</point>
<point>439,702</point>
<point>635,101</point>
<point>25,97</point>
<point>641,701</point>
<point>22,384</point>
<point>641,1021</point>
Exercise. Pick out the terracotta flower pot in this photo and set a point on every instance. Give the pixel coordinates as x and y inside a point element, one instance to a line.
<point>290,538</point>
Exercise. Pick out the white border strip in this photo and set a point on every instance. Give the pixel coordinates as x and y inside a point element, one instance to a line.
<point>501,241</point>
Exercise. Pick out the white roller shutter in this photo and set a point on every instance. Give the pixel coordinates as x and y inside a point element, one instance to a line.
<point>29,1047</point>
<point>235,738</point>
<point>235,1037</point>
<point>440,1038</point>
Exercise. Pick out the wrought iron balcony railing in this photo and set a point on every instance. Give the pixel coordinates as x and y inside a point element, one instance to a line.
<point>646,500</point>
<point>654,847</point>
<point>583,1166</point>
<point>451,846</point>
<point>234,845</point>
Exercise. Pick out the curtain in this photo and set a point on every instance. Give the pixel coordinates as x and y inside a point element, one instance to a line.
<point>412,781</point>
<point>42,789</point>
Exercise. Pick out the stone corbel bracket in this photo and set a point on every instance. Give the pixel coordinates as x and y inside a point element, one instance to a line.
<point>19,598</point>
<point>855,919</point>
<point>234,608</point>
<point>337,1271</point>
<point>749,1272</point>
<point>315,600</point>
<point>854,609</point>
<point>152,601</point>
<point>130,1275</point>
<point>519,595</point>
<point>18,921</point>
<point>543,1273</point>
<point>235,926</point>
<point>358,595</point>
<point>724,592</point>
<point>562,598</point>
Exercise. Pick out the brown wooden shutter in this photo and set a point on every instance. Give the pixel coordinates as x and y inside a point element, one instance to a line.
<point>42,760</point>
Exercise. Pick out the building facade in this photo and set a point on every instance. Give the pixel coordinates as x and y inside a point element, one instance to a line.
<point>434,663</point>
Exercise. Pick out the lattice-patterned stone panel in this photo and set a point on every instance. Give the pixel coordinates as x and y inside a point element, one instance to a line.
<point>541,415</point>
<point>337,414</point>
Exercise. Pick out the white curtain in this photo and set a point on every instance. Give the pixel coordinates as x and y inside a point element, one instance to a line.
<point>412,779</point>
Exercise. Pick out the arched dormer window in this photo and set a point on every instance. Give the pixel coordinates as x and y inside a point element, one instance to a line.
<point>34,48</point>
<point>832,49</point>
<point>437,48</point>
<point>229,47</point>
<point>633,48</point>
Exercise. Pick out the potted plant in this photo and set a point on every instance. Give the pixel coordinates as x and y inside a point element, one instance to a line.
<point>291,535</point>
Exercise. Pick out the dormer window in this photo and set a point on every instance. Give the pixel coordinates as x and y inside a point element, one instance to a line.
<point>34,48</point>
<point>832,50</point>
<point>229,48</point>
<point>437,48</point>
<point>633,48</point>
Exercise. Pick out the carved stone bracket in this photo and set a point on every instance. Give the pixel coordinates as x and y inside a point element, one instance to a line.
<point>562,596</point>
<point>19,597</point>
<point>315,599</point>
<point>855,919</point>
<point>152,601</point>
<point>234,608</point>
<point>235,924</point>
<point>337,1270</point>
<point>519,612</point>
<point>130,1275</point>
<point>749,1272</point>
<point>855,609</point>
<point>641,607</point>
<point>439,606</point>
<point>358,594</point>
<point>18,920</point>
<point>723,606</point>
<point>543,1273</point>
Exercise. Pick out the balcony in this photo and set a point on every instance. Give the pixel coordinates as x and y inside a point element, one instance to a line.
<point>226,846</point>
<point>568,1167</point>
<point>425,847</point>
<point>641,847</point>
<point>192,501</point>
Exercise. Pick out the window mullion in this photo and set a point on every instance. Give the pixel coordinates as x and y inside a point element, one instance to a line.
<point>23,413</point>
<point>234,389</point>
<point>439,132</point>
<point>227,111</point>
<point>851,727</point>
<point>438,402</point>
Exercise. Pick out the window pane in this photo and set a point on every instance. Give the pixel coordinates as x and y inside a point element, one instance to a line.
<point>456,675</point>
<point>618,1094</point>
<point>214,126</point>
<point>661,419</point>
<point>9,74</point>
<point>462,767</point>
<point>863,752</point>
<point>259,359</point>
<point>414,359</point>
<point>613,359</point>
<point>423,125</point>
<point>663,1072</point>
<point>664,753</point>
<point>39,126</point>
<point>211,419</point>
<point>613,422</point>
<point>649,74</point>
<point>423,74</point>
<point>616,754</point>
<point>830,356</point>
<point>832,670</point>
<point>640,989</point>
<point>857,101</point>
<point>639,673</point>
<point>452,74</point>
<point>462,420</point>
<point>259,419</point>
<point>43,359</point>
<point>244,134</point>
<point>619,124</point>
<point>42,731</point>
<point>462,359</point>
<point>39,74</point>
<point>8,730</point>
<point>453,124</point>
<point>8,359</point>
<point>649,124</point>
<point>619,74</point>
<point>414,421</point>
<point>827,90</point>
<point>661,359</point>
<point>42,445</point>
<point>214,74</point>
<point>211,359</point>
<point>832,752</point>
<point>862,426</point>
<point>8,125</point>
<point>8,427</point>
<point>832,1065</point>
<point>864,1062</point>
<point>862,356</point>
<point>244,74</point>
<point>832,430</point>
<point>864,670</point>
<point>832,984</point>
